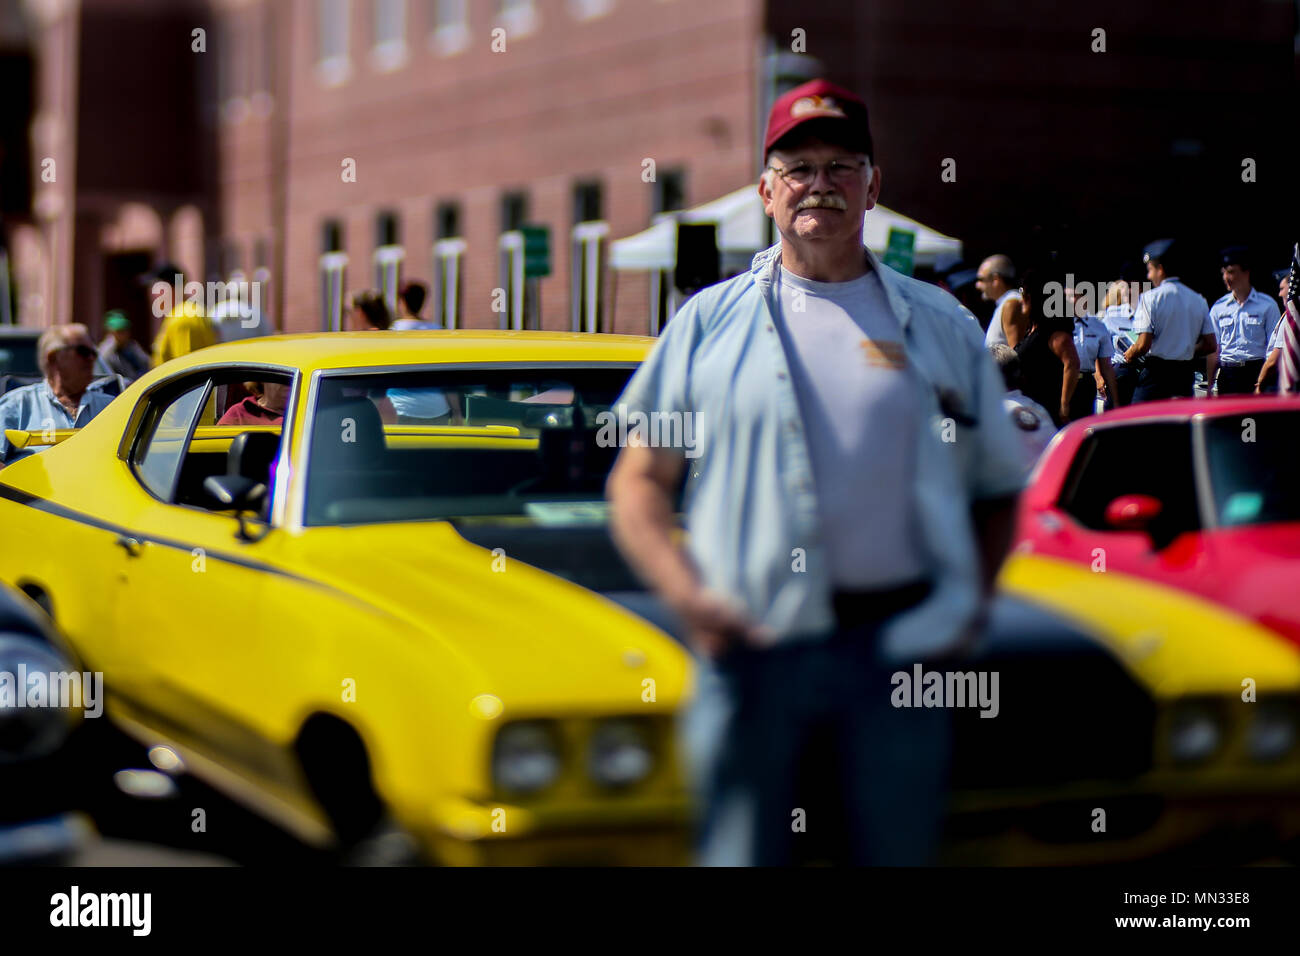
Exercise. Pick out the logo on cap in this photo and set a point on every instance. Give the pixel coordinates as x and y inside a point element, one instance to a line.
<point>815,106</point>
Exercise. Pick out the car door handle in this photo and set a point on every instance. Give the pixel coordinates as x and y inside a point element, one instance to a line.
<point>129,544</point>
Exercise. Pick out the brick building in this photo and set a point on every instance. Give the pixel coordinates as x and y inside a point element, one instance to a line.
<point>322,146</point>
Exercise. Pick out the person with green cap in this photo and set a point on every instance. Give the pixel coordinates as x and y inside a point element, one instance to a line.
<point>119,351</point>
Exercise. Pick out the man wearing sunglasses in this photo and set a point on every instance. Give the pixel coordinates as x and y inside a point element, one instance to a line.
<point>846,518</point>
<point>66,355</point>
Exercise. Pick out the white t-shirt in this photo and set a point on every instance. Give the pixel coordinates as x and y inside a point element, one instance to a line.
<point>995,334</point>
<point>859,412</point>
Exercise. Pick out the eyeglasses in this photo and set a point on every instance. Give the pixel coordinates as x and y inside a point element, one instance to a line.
<point>83,351</point>
<point>804,173</point>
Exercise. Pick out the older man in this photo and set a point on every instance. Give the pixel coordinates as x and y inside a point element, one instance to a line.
<point>851,424</point>
<point>66,355</point>
<point>996,282</point>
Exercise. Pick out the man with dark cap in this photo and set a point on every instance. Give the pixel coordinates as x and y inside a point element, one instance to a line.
<point>1173,329</point>
<point>1245,321</point>
<point>121,353</point>
<point>848,511</point>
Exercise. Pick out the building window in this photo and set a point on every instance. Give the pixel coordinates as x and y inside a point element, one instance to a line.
<point>670,190</point>
<point>389,51</point>
<point>587,202</point>
<point>333,269</point>
<point>262,46</point>
<point>586,275</point>
<point>519,17</point>
<point>514,210</point>
<point>332,18</point>
<point>387,231</point>
<point>590,9</point>
<point>388,273</point>
<point>450,19</point>
<point>232,67</point>
<point>446,220</point>
<point>331,236</point>
<point>448,254</point>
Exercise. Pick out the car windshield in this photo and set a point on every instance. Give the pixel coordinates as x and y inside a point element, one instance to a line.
<point>1252,467</point>
<point>531,443</point>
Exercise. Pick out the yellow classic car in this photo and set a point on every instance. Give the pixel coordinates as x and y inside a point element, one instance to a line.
<point>294,560</point>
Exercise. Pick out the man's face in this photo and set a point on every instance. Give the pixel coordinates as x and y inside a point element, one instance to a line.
<point>1155,273</point>
<point>73,364</point>
<point>989,282</point>
<point>1236,278</point>
<point>1284,288</point>
<point>830,206</point>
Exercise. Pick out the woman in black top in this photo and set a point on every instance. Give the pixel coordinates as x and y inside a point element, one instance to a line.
<point>1049,364</point>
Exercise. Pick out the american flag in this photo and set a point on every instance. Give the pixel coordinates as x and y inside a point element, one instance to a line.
<point>1289,366</point>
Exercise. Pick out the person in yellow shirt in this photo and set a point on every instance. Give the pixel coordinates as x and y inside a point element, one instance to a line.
<point>185,328</point>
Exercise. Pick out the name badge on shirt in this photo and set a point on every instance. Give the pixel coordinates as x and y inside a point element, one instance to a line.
<point>884,354</point>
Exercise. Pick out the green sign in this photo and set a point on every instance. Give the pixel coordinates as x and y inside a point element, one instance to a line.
<point>900,250</point>
<point>537,251</point>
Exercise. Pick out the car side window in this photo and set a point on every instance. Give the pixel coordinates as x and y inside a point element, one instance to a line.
<point>1153,459</point>
<point>158,456</point>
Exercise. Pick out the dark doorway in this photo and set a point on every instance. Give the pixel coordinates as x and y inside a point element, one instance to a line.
<point>122,290</point>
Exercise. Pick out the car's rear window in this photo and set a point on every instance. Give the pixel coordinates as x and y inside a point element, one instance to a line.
<point>459,444</point>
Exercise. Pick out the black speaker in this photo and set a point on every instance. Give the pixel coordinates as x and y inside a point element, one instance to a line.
<point>697,256</point>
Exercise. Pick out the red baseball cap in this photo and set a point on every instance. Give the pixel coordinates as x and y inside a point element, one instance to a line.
<point>841,115</point>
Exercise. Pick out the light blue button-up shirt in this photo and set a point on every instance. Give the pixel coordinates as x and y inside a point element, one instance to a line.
<point>1244,329</point>
<point>1176,316</point>
<point>750,503</point>
<point>34,408</point>
<point>1092,342</point>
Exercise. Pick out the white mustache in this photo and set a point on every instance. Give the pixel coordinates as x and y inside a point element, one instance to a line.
<point>823,202</point>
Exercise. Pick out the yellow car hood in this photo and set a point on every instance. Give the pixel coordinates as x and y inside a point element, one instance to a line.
<point>500,619</point>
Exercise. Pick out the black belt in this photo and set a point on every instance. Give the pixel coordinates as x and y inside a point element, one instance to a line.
<point>853,608</point>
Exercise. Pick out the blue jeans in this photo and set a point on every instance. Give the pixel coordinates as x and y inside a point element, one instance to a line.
<point>761,717</point>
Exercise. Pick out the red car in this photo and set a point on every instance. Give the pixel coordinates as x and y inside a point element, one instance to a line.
<point>1201,495</point>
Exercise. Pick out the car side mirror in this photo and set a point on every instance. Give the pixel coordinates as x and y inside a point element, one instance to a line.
<point>1133,513</point>
<point>238,494</point>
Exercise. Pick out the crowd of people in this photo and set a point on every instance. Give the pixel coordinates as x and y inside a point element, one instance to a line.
<point>1062,364</point>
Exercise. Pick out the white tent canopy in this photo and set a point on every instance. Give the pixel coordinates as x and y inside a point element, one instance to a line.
<point>742,231</point>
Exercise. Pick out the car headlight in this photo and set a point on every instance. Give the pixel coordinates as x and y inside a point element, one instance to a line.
<point>1194,735</point>
<point>526,757</point>
<point>28,732</point>
<point>621,753</point>
<point>1271,734</point>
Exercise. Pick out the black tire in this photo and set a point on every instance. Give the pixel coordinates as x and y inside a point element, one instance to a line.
<point>337,768</point>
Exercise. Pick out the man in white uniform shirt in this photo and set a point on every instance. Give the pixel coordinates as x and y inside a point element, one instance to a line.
<point>1173,329</point>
